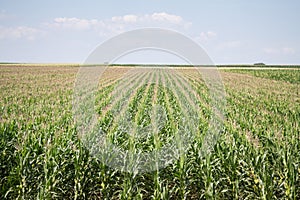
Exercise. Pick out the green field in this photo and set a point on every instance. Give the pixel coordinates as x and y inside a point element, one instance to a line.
<point>257,154</point>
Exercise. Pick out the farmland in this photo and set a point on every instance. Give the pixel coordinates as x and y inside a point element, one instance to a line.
<point>256,155</point>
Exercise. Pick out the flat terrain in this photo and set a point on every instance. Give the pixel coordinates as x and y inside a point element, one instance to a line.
<point>255,156</point>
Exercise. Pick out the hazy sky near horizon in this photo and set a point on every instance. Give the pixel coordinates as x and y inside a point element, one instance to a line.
<point>231,31</point>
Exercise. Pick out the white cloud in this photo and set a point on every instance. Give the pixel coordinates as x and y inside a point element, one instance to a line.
<point>73,23</point>
<point>278,51</point>
<point>19,32</point>
<point>125,18</point>
<point>118,24</point>
<point>161,17</point>
<point>103,27</point>
<point>206,36</point>
<point>165,17</point>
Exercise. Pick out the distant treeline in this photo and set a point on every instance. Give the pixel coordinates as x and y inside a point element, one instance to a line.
<point>231,66</point>
<point>263,65</point>
<point>153,65</point>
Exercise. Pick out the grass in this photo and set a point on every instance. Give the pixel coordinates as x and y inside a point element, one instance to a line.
<point>256,156</point>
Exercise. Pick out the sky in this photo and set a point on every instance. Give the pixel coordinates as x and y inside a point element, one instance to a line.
<point>230,31</point>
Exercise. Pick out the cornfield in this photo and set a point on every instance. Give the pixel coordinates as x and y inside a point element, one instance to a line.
<point>256,154</point>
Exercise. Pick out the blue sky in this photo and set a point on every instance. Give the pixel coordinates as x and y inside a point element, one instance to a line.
<point>231,31</point>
